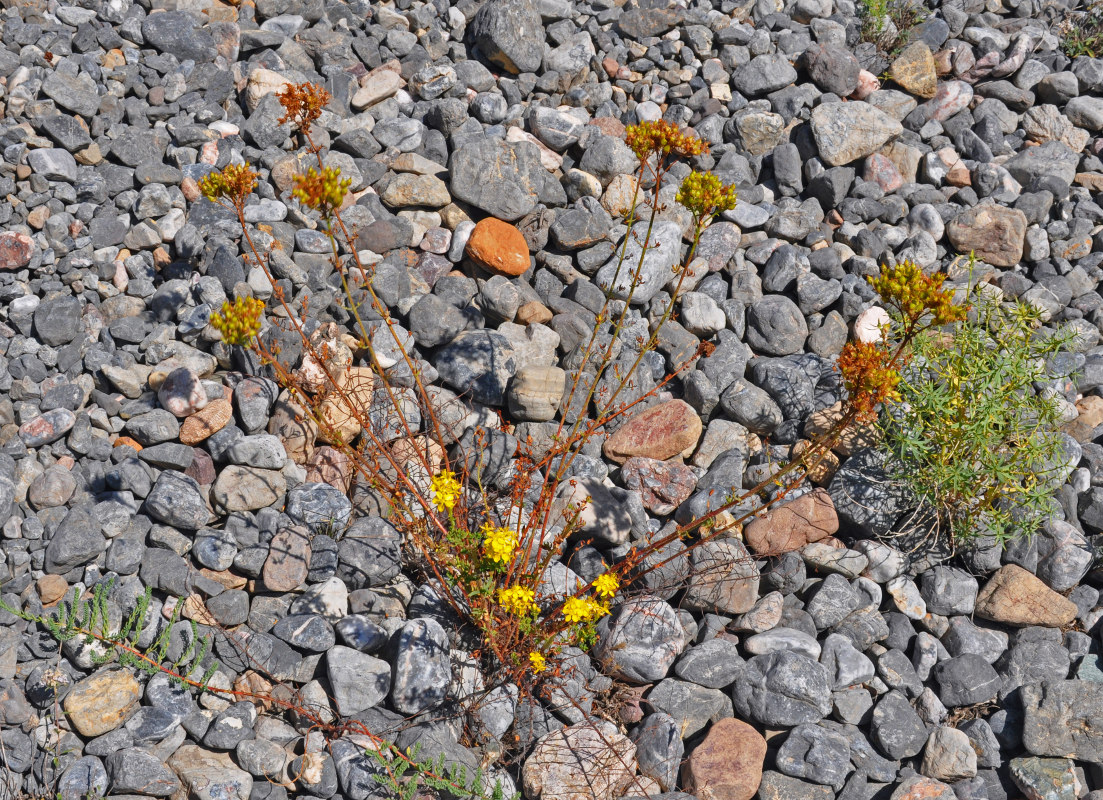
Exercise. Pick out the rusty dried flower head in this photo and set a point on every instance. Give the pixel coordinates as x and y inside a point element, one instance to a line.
<point>661,138</point>
<point>915,294</point>
<point>302,104</point>
<point>322,191</point>
<point>234,183</point>
<point>705,196</point>
<point>870,376</point>
<point>240,322</point>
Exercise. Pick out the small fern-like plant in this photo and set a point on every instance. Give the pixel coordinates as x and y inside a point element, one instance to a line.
<point>433,774</point>
<point>86,618</point>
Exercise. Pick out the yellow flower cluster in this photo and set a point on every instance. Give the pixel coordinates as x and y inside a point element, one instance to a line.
<point>517,600</point>
<point>240,322</point>
<point>704,195</point>
<point>234,182</point>
<point>583,609</point>
<point>445,489</point>
<point>499,544</point>
<point>606,585</point>
<point>915,294</point>
<point>323,191</point>
<point>662,138</point>
<point>538,662</point>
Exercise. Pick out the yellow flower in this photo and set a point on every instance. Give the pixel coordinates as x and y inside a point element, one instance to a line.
<point>446,490</point>
<point>539,663</point>
<point>517,600</point>
<point>606,585</point>
<point>234,182</point>
<point>324,192</point>
<point>704,195</point>
<point>577,609</point>
<point>499,543</point>
<point>597,609</point>
<point>240,322</point>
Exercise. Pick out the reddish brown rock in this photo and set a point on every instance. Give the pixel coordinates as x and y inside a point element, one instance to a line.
<point>663,486</point>
<point>51,588</point>
<point>660,432</point>
<point>498,247</point>
<point>210,420</point>
<point>920,787</point>
<point>329,465</point>
<point>288,560</point>
<point>995,233</point>
<point>1015,596</point>
<point>727,765</point>
<point>16,250</point>
<point>126,441</point>
<point>809,518</point>
<point>201,467</point>
<point>882,171</point>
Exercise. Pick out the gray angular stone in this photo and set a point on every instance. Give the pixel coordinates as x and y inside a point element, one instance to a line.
<point>176,33</point>
<point>57,321</point>
<point>478,363</point>
<point>654,265</point>
<point>359,681</point>
<point>966,680</point>
<point>896,730</point>
<point>510,34</point>
<point>782,688</point>
<point>422,667</point>
<point>815,754</point>
<point>177,500</point>
<point>639,641</point>
<point>948,591</point>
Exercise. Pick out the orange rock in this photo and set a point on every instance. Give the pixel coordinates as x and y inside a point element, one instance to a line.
<point>809,518</point>
<point>1083,428</point>
<point>207,421</point>
<point>533,312</point>
<point>127,442</point>
<point>727,765</point>
<point>660,432</point>
<point>498,247</point>
<point>51,588</point>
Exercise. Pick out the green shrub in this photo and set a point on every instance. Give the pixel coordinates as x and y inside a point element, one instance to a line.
<point>971,435</point>
<point>888,23</point>
<point>1081,32</point>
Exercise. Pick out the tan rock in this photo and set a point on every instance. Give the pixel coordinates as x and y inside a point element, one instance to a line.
<point>620,196</point>
<point>295,430</point>
<point>241,488</point>
<point>377,85</point>
<point>1083,428</point>
<point>809,518</point>
<point>660,432</point>
<point>821,467</point>
<point>51,588</point>
<point>262,82</point>
<point>329,465</point>
<point>210,776</point>
<point>207,421</point>
<point>102,702</point>
<point>914,70</point>
<point>853,438</point>
<point>535,393</point>
<point>341,413</point>
<point>499,248</point>
<point>533,312</point>
<point>288,560</point>
<point>727,765</point>
<point>1015,596</point>
<point>408,189</point>
<point>920,787</point>
<point>995,233</point>
<point>588,761</point>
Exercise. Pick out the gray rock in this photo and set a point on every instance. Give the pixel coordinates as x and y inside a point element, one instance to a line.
<point>57,320</point>
<point>175,32</point>
<point>815,754</point>
<point>948,591</point>
<point>782,688</point>
<point>640,640</point>
<point>763,74</point>
<point>654,266</point>
<point>659,749</point>
<point>310,632</point>
<point>359,681</point>
<point>723,578</point>
<point>965,680</point>
<point>136,771</point>
<point>691,706</point>
<point>177,500</point>
<point>506,180</point>
<point>319,506</point>
<point>1059,719</point>
<point>53,164</point>
<point>231,727</point>
<point>715,663</point>
<point>479,363</point>
<point>864,495</point>
<point>832,601</point>
<point>775,326</point>
<point>76,93</point>
<point>509,33</point>
<point>422,667</point>
<point>369,554</point>
<point>896,730</point>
